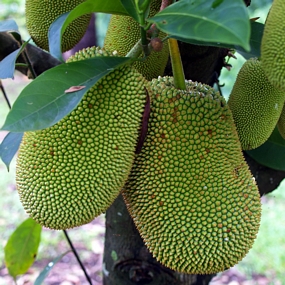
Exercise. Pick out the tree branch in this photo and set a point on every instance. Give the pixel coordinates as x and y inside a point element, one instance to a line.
<point>40,60</point>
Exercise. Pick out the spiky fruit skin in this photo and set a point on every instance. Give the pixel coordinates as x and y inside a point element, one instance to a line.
<point>281,123</point>
<point>124,32</point>
<point>40,14</point>
<point>273,41</point>
<point>190,192</point>
<point>71,172</point>
<point>256,105</point>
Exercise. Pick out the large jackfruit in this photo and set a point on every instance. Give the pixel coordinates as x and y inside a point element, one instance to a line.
<point>256,105</point>
<point>40,14</point>
<point>71,172</point>
<point>190,192</point>
<point>272,45</point>
<point>124,32</point>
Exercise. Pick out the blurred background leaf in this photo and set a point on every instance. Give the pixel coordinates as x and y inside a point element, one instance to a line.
<point>22,247</point>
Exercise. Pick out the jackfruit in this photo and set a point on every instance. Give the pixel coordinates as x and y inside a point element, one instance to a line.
<point>124,32</point>
<point>71,172</point>
<point>281,123</point>
<point>256,105</point>
<point>40,14</point>
<point>190,192</point>
<point>272,43</point>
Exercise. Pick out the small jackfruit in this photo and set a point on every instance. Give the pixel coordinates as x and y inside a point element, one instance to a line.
<point>256,105</point>
<point>190,192</point>
<point>272,45</point>
<point>71,172</point>
<point>40,14</point>
<point>124,32</point>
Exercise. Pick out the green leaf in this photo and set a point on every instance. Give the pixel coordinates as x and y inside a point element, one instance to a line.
<point>22,247</point>
<point>9,147</point>
<point>216,3</point>
<point>43,274</point>
<point>45,101</point>
<point>58,27</point>
<point>255,41</point>
<point>227,23</point>
<point>8,25</point>
<point>271,153</point>
<point>131,8</point>
<point>7,65</point>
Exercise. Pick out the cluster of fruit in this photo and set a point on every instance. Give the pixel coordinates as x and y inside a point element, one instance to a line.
<point>188,188</point>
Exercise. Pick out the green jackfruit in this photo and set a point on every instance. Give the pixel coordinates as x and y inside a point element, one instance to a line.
<point>124,32</point>
<point>281,123</point>
<point>256,105</point>
<point>190,192</point>
<point>71,172</point>
<point>40,14</point>
<point>272,45</point>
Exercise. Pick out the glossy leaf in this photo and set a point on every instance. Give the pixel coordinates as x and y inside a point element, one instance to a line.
<point>58,27</point>
<point>44,273</point>
<point>7,65</point>
<point>271,153</point>
<point>44,101</point>
<point>9,147</point>
<point>130,7</point>
<point>216,3</point>
<point>8,25</point>
<point>22,247</point>
<point>187,20</point>
<point>255,41</point>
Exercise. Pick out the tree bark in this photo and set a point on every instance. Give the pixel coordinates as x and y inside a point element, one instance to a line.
<point>40,60</point>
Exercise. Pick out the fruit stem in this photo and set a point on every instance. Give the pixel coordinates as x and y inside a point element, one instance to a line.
<point>176,63</point>
<point>144,42</point>
<point>77,257</point>
<point>136,50</point>
<point>30,66</point>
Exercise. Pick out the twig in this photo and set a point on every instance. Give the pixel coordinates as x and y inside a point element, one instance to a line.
<point>164,4</point>
<point>30,66</point>
<point>77,257</point>
<point>5,94</point>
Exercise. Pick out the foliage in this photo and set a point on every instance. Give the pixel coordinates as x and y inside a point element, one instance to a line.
<point>11,8</point>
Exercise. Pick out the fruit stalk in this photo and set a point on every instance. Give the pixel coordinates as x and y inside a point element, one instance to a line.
<point>176,63</point>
